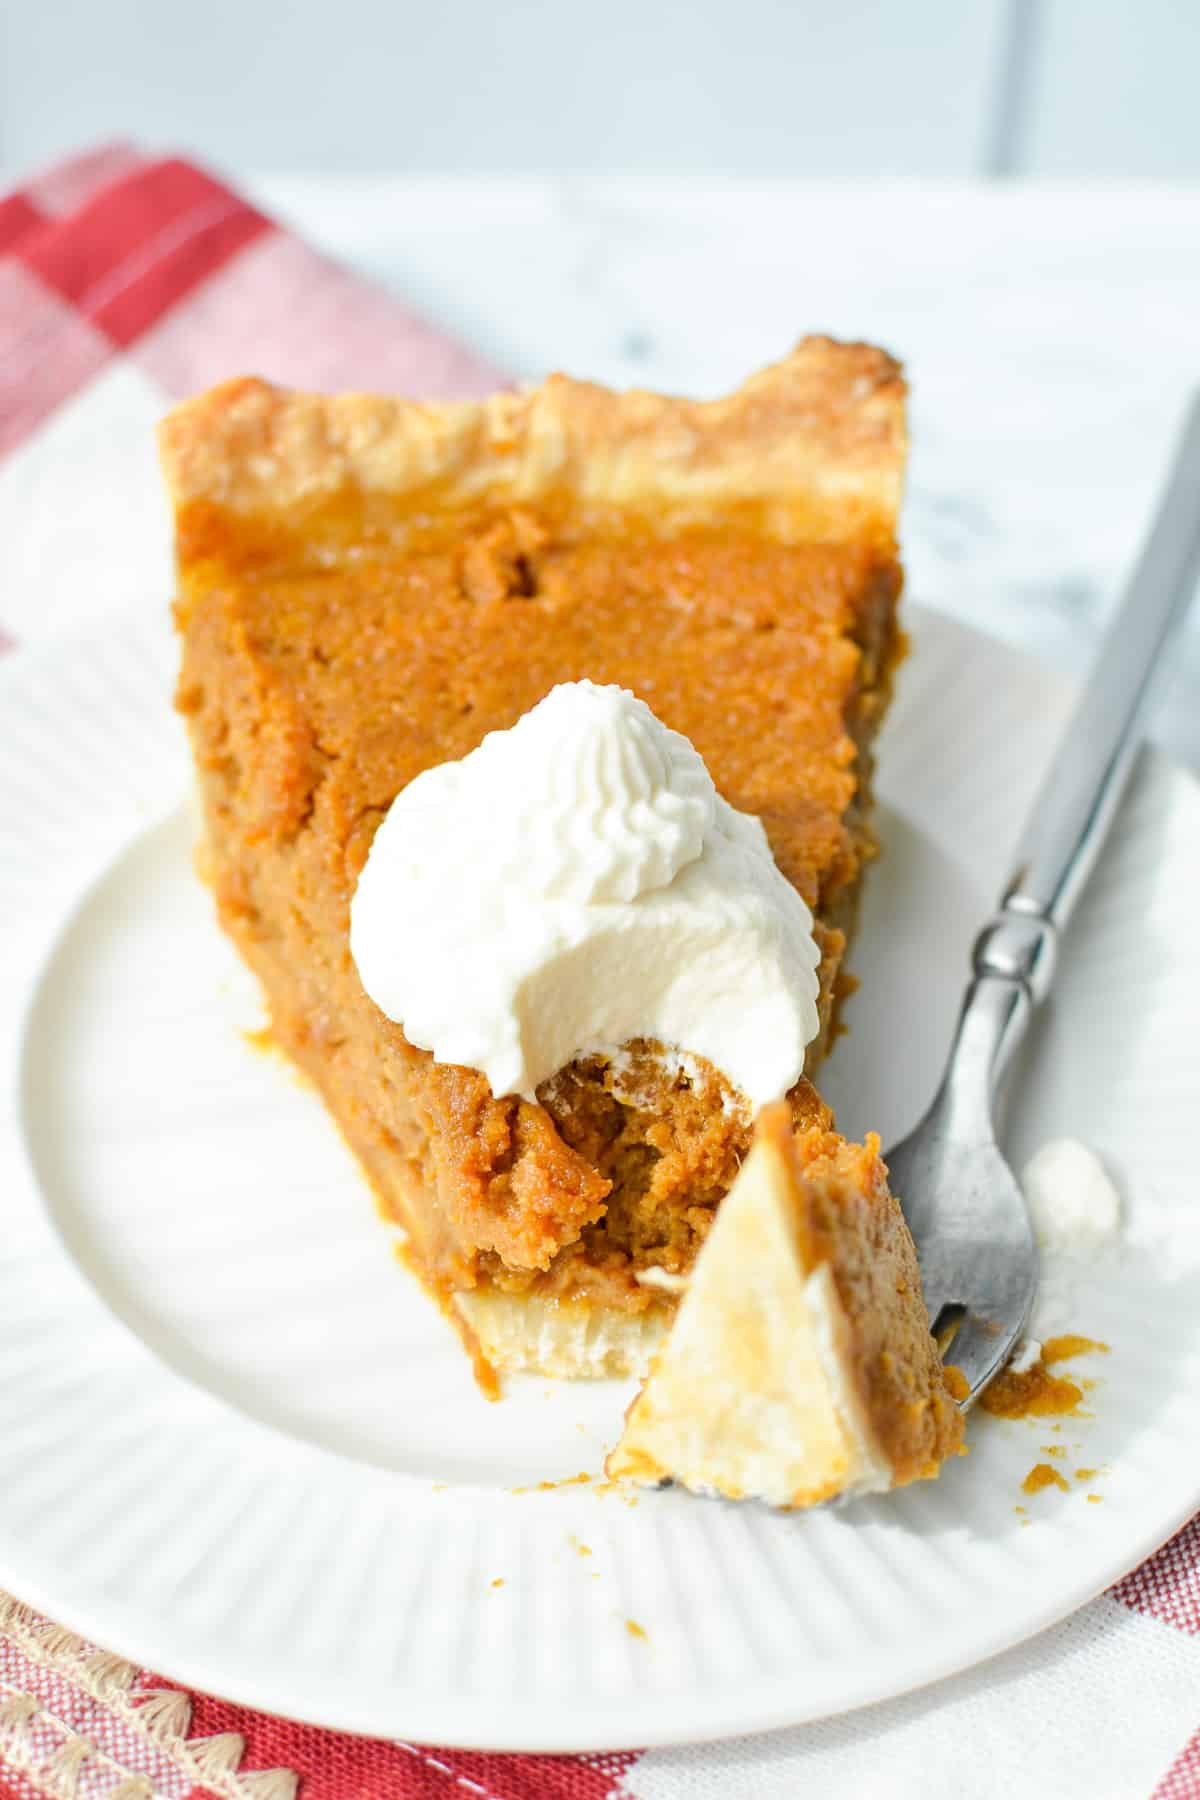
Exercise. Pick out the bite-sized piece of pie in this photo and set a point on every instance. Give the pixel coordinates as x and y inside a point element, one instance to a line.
<point>367,587</point>
<point>800,1365</point>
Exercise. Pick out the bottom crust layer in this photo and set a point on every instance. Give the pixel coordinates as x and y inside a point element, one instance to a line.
<point>515,1332</point>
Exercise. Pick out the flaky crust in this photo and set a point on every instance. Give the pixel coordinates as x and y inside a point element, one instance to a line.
<point>573,1341</point>
<point>799,1366</point>
<point>816,444</point>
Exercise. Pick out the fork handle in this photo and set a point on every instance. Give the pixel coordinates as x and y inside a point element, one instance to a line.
<point>1080,793</point>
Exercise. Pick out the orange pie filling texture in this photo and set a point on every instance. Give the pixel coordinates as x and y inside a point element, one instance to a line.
<point>330,657</point>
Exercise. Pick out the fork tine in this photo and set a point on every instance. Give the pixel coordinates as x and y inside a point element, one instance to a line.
<point>979,1349</point>
<point>973,1239</point>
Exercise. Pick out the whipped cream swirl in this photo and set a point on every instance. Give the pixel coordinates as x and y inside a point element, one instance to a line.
<point>576,882</point>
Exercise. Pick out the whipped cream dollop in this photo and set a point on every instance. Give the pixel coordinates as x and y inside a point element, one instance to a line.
<point>576,882</point>
<point>1072,1201</point>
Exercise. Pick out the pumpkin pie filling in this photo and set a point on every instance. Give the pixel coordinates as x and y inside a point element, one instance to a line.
<point>341,633</point>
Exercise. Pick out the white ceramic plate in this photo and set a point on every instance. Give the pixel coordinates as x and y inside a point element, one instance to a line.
<point>239,1445</point>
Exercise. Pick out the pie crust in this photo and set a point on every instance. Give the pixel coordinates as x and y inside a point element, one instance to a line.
<point>814,445</point>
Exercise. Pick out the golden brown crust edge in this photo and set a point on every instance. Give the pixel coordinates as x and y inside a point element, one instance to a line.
<point>816,443</point>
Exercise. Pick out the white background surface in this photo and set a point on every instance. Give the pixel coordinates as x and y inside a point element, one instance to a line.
<point>761,87</point>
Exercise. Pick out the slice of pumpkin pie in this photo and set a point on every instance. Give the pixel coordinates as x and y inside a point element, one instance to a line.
<point>533,744</point>
<point>800,1367</point>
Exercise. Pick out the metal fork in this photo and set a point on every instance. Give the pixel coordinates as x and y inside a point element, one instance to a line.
<point>966,1213</point>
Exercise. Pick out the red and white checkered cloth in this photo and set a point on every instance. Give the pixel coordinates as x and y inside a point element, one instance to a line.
<point>126,283</point>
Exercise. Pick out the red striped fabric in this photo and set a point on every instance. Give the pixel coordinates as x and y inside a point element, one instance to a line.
<point>1168,1586</point>
<point>48,354</point>
<point>161,262</point>
<point>19,219</point>
<point>334,1766</point>
<point>138,247</point>
<point>1182,1779</point>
